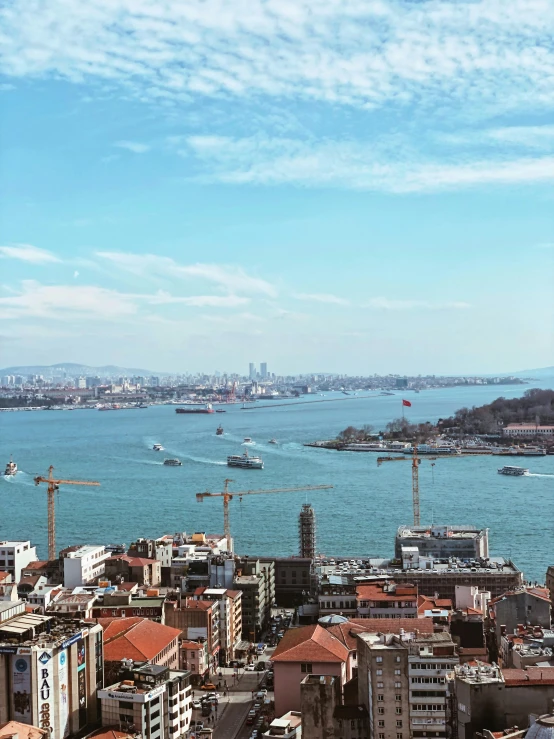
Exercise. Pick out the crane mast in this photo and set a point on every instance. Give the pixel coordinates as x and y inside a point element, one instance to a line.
<point>415,485</point>
<point>53,487</point>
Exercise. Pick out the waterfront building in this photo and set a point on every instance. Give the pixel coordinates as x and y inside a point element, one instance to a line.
<point>141,640</point>
<point>402,679</point>
<point>83,564</point>
<point>52,669</point>
<point>440,542</point>
<point>488,697</point>
<point>151,699</point>
<point>337,594</point>
<point>386,600</point>
<point>15,557</point>
<point>527,430</point>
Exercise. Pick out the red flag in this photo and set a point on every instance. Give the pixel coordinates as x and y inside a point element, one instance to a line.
<point>407,403</point>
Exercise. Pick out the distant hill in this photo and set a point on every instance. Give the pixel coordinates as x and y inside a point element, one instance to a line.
<point>542,372</point>
<point>75,369</point>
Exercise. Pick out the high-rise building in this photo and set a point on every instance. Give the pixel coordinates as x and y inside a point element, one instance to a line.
<point>306,531</point>
<point>252,371</point>
<point>263,370</point>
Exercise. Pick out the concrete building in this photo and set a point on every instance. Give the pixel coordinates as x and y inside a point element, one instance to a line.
<point>263,370</point>
<point>15,556</point>
<point>494,699</point>
<point>293,579</point>
<point>439,542</point>
<point>194,658</point>
<point>531,645</point>
<point>51,670</point>
<point>160,549</point>
<point>528,430</point>
<point>319,696</point>
<point>337,594</point>
<point>528,606</point>
<point>256,579</point>
<point>151,699</point>
<point>70,604</point>
<point>83,564</point>
<point>196,620</point>
<point>288,726</point>
<point>386,600</point>
<point>230,618</point>
<point>140,640</point>
<point>123,604</point>
<point>134,569</point>
<point>402,679</point>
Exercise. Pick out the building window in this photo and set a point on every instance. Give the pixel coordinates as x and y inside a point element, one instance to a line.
<point>381,724</point>
<point>398,711</point>
<point>380,710</point>
<point>399,685</point>
<point>379,659</point>
<point>381,736</point>
<point>380,698</point>
<point>380,685</point>
<point>398,697</point>
<point>397,659</point>
<point>379,672</point>
<point>306,667</point>
<point>399,724</point>
<point>398,672</point>
<point>399,736</point>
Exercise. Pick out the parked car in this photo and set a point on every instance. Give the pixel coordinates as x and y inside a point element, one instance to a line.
<point>196,704</point>
<point>208,686</point>
<point>198,724</point>
<point>260,666</point>
<point>257,707</point>
<point>214,696</point>
<point>250,668</point>
<point>236,663</point>
<point>261,693</point>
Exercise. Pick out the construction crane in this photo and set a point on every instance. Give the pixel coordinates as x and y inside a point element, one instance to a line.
<point>416,461</point>
<point>228,496</point>
<point>53,486</point>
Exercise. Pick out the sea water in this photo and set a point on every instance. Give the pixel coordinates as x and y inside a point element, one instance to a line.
<point>139,496</point>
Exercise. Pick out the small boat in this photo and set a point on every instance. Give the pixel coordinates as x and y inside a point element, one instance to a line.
<point>245,462</point>
<point>272,441</point>
<point>173,462</point>
<point>220,410</point>
<point>11,468</point>
<point>219,430</point>
<point>514,471</point>
<point>247,440</point>
<point>158,448</point>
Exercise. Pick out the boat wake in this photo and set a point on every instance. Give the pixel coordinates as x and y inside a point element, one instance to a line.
<point>20,478</point>
<point>539,474</point>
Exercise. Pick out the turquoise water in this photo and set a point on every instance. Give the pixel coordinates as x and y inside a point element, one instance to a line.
<point>140,497</point>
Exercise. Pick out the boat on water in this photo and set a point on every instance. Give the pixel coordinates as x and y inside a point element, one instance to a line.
<point>173,462</point>
<point>196,409</point>
<point>220,410</point>
<point>245,461</point>
<point>272,441</point>
<point>247,440</point>
<point>219,430</point>
<point>158,448</point>
<point>513,471</point>
<point>11,468</point>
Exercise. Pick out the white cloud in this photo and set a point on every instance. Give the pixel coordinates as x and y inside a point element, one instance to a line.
<point>28,253</point>
<point>322,298</point>
<point>76,274</point>
<point>135,146</point>
<point>214,301</point>
<point>231,278</point>
<point>400,305</point>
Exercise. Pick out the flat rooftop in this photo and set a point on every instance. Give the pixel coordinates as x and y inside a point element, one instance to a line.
<point>479,674</point>
<point>440,532</point>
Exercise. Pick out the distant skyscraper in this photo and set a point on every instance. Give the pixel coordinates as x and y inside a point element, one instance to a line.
<point>263,370</point>
<point>252,371</point>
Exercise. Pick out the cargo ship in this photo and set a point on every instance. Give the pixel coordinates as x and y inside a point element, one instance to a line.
<point>196,409</point>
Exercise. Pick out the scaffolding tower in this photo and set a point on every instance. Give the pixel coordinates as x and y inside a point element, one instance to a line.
<point>306,531</point>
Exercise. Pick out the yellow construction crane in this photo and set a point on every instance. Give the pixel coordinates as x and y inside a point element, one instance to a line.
<point>416,461</point>
<point>228,496</point>
<point>53,486</point>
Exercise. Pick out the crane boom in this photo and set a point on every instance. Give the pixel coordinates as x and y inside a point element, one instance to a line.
<point>228,496</point>
<point>53,486</point>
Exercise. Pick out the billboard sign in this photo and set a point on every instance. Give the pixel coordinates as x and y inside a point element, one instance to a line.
<point>21,680</point>
<point>45,671</point>
<point>63,693</point>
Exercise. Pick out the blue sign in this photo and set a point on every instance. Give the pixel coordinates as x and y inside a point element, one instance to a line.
<point>21,665</point>
<point>62,659</point>
<point>44,658</point>
<point>71,640</point>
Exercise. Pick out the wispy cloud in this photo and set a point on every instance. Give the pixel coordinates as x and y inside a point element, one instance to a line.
<point>388,304</point>
<point>322,298</point>
<point>135,146</point>
<point>28,253</point>
<point>231,278</point>
<point>202,301</point>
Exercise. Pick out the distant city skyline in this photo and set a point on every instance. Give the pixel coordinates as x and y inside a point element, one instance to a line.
<point>343,185</point>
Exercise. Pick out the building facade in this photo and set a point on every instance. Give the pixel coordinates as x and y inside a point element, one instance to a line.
<point>462,542</point>
<point>15,556</point>
<point>83,564</point>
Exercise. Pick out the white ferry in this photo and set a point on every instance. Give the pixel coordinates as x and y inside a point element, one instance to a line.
<point>245,462</point>
<point>515,471</point>
<point>272,441</point>
<point>11,469</point>
<point>247,440</point>
<point>173,462</point>
<point>158,448</point>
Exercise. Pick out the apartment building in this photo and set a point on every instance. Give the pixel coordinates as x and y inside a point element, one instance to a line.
<point>256,580</point>
<point>194,658</point>
<point>230,618</point>
<point>386,600</point>
<point>337,595</point>
<point>197,620</point>
<point>153,700</point>
<point>83,564</point>
<point>402,680</point>
<point>15,556</point>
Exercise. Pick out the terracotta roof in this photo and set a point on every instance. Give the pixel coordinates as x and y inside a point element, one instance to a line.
<point>199,591</point>
<point>346,633</point>
<point>310,644</point>
<point>529,676</point>
<point>234,593</point>
<point>136,638</point>
<point>9,728</point>
<point>4,576</point>
<point>110,733</point>
<point>127,585</point>
<point>191,645</point>
<point>198,605</point>
<point>425,603</point>
<point>376,592</point>
<point>141,561</point>
<point>38,565</point>
<point>32,581</point>
<point>393,625</point>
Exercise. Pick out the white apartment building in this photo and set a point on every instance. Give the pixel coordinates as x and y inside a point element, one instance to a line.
<point>527,429</point>
<point>153,699</point>
<point>43,595</point>
<point>15,556</point>
<point>82,565</point>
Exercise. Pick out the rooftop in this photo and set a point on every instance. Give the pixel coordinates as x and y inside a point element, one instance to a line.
<point>11,728</point>
<point>439,532</point>
<point>310,644</point>
<point>136,638</point>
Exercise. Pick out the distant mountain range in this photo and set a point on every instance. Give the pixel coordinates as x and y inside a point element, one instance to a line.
<point>76,370</point>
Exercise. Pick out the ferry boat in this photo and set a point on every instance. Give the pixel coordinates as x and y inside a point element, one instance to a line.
<point>272,441</point>
<point>158,448</point>
<point>219,430</point>
<point>196,409</point>
<point>173,463</point>
<point>245,462</point>
<point>247,440</point>
<point>514,471</point>
<point>11,469</point>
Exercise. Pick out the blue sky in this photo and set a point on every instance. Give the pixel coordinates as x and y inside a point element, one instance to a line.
<point>349,186</point>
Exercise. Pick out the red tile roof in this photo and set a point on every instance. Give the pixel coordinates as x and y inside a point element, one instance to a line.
<point>310,644</point>
<point>141,561</point>
<point>346,633</point>
<point>4,576</point>
<point>375,592</point>
<point>38,565</point>
<point>529,676</point>
<point>191,645</point>
<point>110,733</point>
<point>426,603</point>
<point>136,638</point>
<point>128,586</point>
<point>198,605</point>
<point>393,625</point>
<point>10,728</point>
